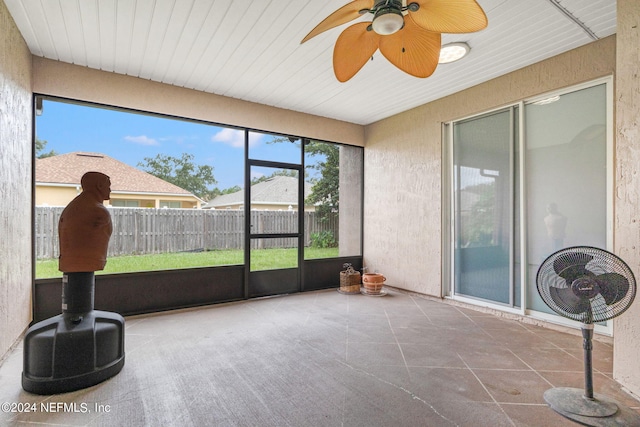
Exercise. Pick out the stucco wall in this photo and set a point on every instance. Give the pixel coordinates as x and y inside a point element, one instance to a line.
<point>15,182</point>
<point>81,83</point>
<point>627,196</point>
<point>402,218</point>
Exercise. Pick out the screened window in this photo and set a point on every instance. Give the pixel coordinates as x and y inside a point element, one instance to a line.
<point>205,168</point>
<point>333,196</point>
<point>147,157</point>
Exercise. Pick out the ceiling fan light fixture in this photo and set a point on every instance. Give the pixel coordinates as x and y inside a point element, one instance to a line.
<point>388,18</point>
<point>453,52</point>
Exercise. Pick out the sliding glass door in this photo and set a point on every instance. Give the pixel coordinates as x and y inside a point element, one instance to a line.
<point>526,181</point>
<point>566,177</point>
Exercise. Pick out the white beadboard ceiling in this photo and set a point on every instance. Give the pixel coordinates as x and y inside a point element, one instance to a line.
<point>250,49</point>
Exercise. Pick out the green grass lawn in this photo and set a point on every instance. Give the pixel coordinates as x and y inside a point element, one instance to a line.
<point>261,259</point>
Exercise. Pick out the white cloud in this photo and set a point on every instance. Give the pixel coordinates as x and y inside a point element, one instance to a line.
<point>235,137</point>
<point>141,140</point>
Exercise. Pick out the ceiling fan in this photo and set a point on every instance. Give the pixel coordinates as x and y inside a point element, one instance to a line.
<point>407,32</point>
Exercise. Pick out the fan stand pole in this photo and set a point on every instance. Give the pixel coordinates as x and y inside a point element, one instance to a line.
<point>587,345</point>
<point>584,406</point>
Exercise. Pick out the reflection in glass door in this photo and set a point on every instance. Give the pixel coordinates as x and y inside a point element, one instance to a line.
<point>566,176</point>
<point>483,182</point>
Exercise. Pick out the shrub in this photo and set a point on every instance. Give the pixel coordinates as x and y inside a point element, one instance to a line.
<point>323,239</point>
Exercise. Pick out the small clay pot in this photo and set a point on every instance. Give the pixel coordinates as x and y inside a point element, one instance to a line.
<point>373,282</point>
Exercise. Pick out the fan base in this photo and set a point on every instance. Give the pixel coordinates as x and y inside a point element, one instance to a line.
<point>601,411</point>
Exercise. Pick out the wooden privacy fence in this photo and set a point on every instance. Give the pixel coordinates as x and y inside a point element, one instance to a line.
<point>138,231</point>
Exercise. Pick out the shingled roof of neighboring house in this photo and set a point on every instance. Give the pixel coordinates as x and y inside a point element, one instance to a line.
<point>69,168</point>
<point>276,190</point>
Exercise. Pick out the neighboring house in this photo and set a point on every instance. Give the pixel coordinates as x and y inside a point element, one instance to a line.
<point>275,194</point>
<point>58,182</point>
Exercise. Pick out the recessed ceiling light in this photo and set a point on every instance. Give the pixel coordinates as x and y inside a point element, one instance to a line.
<point>452,52</point>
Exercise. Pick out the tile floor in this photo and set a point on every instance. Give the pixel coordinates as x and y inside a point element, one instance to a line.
<point>325,359</point>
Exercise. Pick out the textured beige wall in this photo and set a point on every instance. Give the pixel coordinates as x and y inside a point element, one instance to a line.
<point>15,182</point>
<point>402,218</point>
<point>72,81</point>
<point>626,367</point>
<point>350,195</point>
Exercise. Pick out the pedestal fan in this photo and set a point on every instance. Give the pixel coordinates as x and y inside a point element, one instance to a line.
<point>589,285</point>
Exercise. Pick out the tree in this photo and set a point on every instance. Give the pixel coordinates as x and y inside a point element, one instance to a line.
<point>479,226</point>
<point>181,172</point>
<point>325,190</point>
<point>218,192</point>
<point>40,144</point>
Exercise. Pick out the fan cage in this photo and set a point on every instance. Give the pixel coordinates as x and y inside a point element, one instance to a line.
<point>601,262</point>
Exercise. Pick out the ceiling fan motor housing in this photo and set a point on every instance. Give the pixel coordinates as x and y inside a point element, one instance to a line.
<point>387,18</point>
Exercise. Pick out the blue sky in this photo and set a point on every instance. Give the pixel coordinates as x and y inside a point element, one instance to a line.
<point>131,138</point>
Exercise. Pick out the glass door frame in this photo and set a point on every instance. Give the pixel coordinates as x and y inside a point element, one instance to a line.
<point>265,282</point>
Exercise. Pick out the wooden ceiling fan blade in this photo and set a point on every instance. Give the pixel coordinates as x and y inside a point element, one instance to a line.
<point>346,13</point>
<point>353,49</point>
<point>412,49</point>
<point>449,16</point>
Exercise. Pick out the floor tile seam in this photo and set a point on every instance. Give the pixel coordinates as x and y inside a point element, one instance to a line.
<point>128,350</point>
<point>420,308</point>
<point>553,348</point>
<point>393,332</point>
<point>597,371</point>
<point>467,367</point>
<point>413,395</point>
<point>459,368</point>
<point>306,320</point>
<point>480,368</point>
<point>549,346</point>
<point>523,404</point>
<point>531,367</point>
<point>487,391</point>
<point>608,375</point>
<point>517,331</point>
<point>511,347</point>
<point>346,345</point>
<point>569,353</point>
<point>351,341</point>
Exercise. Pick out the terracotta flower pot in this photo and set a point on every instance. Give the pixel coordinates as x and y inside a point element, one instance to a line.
<point>373,282</point>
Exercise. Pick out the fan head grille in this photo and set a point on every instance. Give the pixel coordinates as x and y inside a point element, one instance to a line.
<point>586,284</point>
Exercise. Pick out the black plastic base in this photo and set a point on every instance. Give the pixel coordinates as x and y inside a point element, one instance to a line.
<point>72,351</point>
